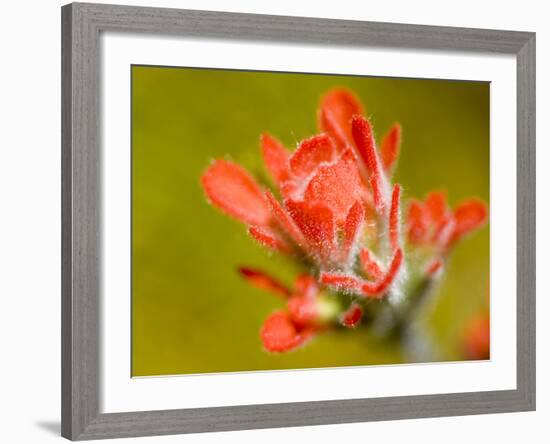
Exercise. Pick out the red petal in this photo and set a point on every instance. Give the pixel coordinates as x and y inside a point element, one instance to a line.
<point>275,157</point>
<point>394,217</point>
<point>380,287</point>
<point>390,146</point>
<point>269,239</point>
<point>279,334</point>
<point>349,283</point>
<point>364,140</point>
<point>342,282</point>
<point>352,316</point>
<point>417,222</point>
<point>317,224</point>
<point>370,264</point>
<point>289,189</point>
<point>434,267</point>
<point>336,111</point>
<point>469,215</point>
<point>303,311</point>
<point>310,154</point>
<point>436,207</point>
<point>285,221</point>
<point>305,285</point>
<point>231,188</point>
<point>264,281</point>
<point>338,186</point>
<point>352,227</point>
<point>443,234</point>
<point>369,289</point>
<point>359,286</point>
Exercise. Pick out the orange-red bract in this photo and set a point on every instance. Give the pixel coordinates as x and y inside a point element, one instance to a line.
<point>280,334</point>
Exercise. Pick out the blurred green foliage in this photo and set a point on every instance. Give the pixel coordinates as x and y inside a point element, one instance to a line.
<point>191,312</point>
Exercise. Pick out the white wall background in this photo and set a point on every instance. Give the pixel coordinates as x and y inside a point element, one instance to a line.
<point>30,220</point>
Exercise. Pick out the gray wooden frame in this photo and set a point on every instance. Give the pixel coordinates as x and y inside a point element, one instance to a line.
<point>81,235</point>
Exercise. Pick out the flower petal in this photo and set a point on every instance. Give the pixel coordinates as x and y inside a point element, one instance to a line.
<point>364,141</point>
<point>370,264</point>
<point>468,215</point>
<point>417,222</point>
<point>285,221</point>
<point>352,228</point>
<point>436,207</point>
<point>434,267</point>
<point>366,288</point>
<point>352,316</point>
<point>389,148</point>
<point>264,281</point>
<point>303,311</point>
<point>342,282</point>
<point>381,286</point>
<point>338,186</point>
<point>310,154</point>
<point>270,239</point>
<point>394,218</point>
<point>279,334</point>
<point>305,285</point>
<point>336,111</point>
<point>275,157</point>
<point>443,235</point>
<point>316,222</point>
<point>231,188</point>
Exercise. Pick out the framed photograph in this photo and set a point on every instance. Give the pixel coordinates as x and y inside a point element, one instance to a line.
<point>279,221</point>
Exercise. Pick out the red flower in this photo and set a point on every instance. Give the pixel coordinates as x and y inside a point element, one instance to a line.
<point>339,211</point>
<point>328,186</point>
<point>382,276</point>
<point>434,225</point>
<point>305,315</point>
<point>307,311</point>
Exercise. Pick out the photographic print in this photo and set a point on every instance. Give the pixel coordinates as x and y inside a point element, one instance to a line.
<point>288,221</point>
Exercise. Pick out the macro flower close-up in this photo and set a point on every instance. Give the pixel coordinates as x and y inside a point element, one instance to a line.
<point>286,220</point>
<point>370,253</point>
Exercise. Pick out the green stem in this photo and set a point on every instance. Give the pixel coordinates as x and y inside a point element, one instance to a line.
<point>401,322</point>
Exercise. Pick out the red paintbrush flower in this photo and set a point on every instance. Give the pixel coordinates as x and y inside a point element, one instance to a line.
<point>307,311</point>
<point>339,210</point>
<point>328,186</point>
<point>434,225</point>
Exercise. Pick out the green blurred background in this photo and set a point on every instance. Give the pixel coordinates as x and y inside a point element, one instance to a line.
<point>191,312</point>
